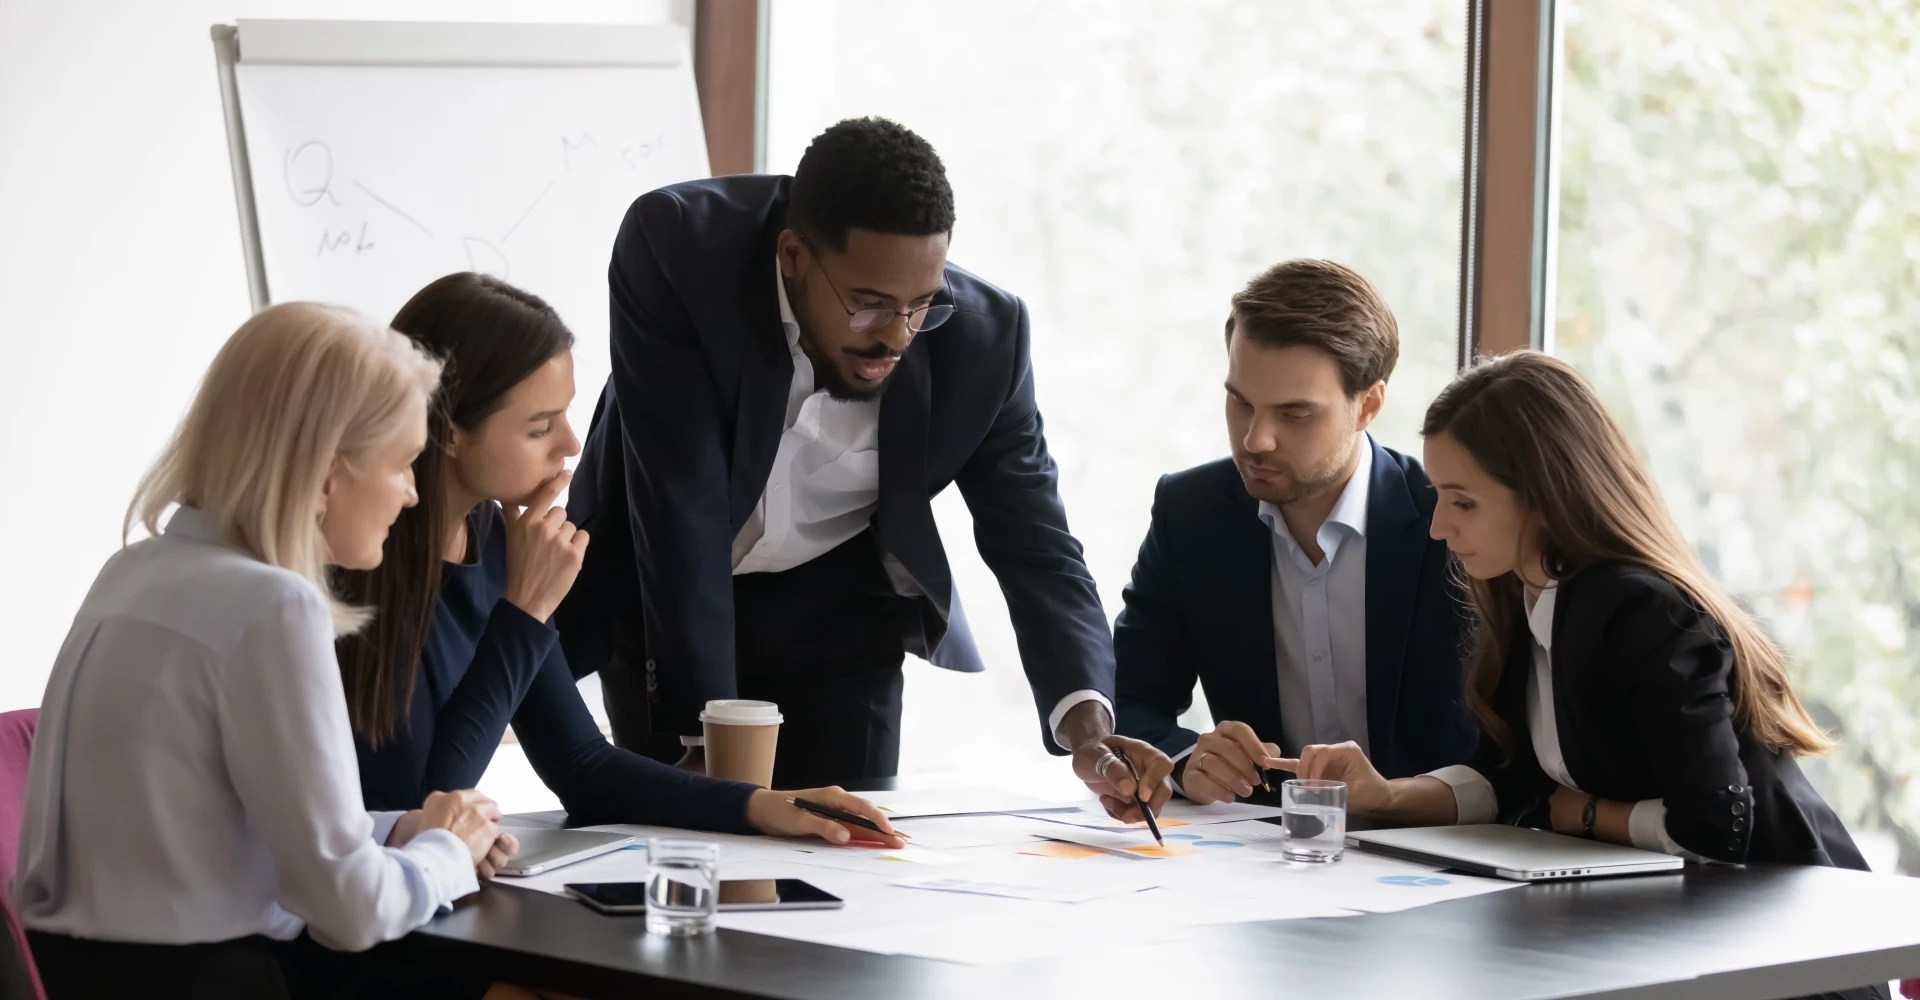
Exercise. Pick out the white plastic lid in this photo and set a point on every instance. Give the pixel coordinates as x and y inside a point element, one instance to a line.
<point>737,712</point>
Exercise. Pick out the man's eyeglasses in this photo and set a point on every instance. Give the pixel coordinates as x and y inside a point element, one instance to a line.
<point>920,319</point>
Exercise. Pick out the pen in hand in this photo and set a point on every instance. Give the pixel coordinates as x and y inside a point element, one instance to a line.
<point>841,816</point>
<point>1140,796</point>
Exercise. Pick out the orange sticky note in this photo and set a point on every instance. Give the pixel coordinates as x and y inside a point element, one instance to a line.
<point>1056,849</point>
<point>1165,824</point>
<point>1168,851</point>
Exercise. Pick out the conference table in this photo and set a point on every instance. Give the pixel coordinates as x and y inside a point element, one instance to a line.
<point>1713,932</point>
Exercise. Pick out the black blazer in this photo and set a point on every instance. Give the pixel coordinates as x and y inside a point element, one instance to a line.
<point>684,436</point>
<point>1640,697</point>
<point>1201,607</point>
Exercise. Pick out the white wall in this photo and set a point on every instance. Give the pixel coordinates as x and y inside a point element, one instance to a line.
<point>120,265</point>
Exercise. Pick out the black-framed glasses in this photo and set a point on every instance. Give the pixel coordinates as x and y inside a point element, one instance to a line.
<point>920,319</point>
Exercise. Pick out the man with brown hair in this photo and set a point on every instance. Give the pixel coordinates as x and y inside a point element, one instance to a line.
<point>1295,581</point>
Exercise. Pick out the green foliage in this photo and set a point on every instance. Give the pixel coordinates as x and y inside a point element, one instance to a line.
<point>1738,248</point>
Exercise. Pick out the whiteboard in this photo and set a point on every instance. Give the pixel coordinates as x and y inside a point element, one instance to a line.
<point>372,158</point>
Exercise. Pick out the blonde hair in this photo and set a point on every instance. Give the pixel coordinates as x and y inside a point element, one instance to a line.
<point>1535,424</point>
<point>295,389</point>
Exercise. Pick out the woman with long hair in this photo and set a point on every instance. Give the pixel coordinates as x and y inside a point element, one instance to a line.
<point>193,824</point>
<point>1621,694</point>
<point>463,646</point>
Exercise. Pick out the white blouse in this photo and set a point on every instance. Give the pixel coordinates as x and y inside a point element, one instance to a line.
<point>1473,795</point>
<point>193,774</point>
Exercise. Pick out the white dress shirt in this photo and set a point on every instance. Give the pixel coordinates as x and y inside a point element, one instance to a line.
<point>1474,800</point>
<point>1320,619</point>
<point>825,486</point>
<point>193,775</point>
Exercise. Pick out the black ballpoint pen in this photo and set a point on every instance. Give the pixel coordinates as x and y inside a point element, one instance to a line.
<point>1140,795</point>
<point>842,816</point>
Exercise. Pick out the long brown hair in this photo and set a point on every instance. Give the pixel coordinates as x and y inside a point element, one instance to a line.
<point>1535,425</point>
<point>491,336</point>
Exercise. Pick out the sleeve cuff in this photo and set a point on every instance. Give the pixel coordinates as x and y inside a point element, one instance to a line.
<point>1647,829</point>
<point>1066,705</point>
<point>1177,758</point>
<point>1473,798</point>
<point>383,823</point>
<point>444,865</point>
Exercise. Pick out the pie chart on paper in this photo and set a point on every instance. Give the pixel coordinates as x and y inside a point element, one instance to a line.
<point>1424,881</point>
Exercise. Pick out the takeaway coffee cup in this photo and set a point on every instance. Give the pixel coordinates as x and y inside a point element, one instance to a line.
<point>741,738</point>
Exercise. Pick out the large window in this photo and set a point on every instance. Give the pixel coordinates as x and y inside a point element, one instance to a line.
<point>1739,240</point>
<point>1125,167</point>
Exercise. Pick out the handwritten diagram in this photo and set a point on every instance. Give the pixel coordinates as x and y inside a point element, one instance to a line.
<point>311,174</point>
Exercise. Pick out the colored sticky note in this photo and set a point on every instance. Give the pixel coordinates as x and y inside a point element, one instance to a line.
<point>1165,824</point>
<point>1168,851</point>
<point>1056,849</point>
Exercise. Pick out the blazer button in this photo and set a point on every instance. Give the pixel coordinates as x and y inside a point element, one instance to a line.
<point>1735,789</point>
<point>1739,825</point>
<point>649,666</point>
<point>1739,808</point>
<point>1733,847</point>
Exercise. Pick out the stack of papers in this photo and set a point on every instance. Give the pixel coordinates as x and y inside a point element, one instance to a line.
<point>989,876</point>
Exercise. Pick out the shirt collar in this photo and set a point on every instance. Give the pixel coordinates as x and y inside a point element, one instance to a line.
<point>787,321</point>
<point>1540,619</point>
<point>190,522</point>
<point>1350,511</point>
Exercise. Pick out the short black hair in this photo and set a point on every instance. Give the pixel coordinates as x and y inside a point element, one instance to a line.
<point>869,173</point>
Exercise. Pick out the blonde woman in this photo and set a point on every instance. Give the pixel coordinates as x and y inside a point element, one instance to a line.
<point>1621,695</point>
<point>193,804</point>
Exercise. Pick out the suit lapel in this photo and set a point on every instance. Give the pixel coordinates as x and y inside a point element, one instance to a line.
<point>766,375</point>
<point>1244,566</point>
<point>904,522</point>
<point>1396,547</point>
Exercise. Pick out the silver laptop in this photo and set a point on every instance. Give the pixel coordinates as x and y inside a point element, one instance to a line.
<point>542,849</point>
<point>1513,852</point>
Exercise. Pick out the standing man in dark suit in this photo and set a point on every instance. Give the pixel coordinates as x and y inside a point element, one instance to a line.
<point>1295,581</point>
<point>797,370</point>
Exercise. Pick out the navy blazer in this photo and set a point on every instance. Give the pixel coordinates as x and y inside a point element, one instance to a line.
<point>684,436</point>
<point>1201,607</point>
<point>486,663</point>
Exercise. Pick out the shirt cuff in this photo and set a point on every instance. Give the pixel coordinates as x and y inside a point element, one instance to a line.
<point>1647,830</point>
<point>383,823</point>
<point>693,741</point>
<point>1177,758</point>
<point>1473,798</point>
<point>444,865</point>
<point>1066,705</point>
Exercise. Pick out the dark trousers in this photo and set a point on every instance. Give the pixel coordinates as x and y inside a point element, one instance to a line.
<point>822,641</point>
<point>242,969</point>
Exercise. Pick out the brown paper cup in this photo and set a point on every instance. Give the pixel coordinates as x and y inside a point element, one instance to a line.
<point>741,739</point>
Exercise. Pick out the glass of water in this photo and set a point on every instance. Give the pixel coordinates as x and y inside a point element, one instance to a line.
<point>682,886</point>
<point>1314,814</point>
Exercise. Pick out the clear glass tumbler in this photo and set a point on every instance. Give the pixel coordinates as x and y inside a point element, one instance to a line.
<point>1314,814</point>
<point>682,886</point>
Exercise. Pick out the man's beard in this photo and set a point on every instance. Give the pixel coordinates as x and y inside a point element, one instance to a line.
<point>1297,489</point>
<point>827,375</point>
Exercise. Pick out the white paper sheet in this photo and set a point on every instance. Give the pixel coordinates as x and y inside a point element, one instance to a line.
<point>1094,817</point>
<point>958,802</point>
<point>1237,874</point>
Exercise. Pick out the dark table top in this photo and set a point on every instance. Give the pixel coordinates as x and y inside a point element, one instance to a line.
<point>1712,932</point>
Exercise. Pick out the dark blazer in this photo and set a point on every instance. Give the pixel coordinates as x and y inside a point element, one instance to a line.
<point>1201,607</point>
<point>1641,700</point>
<point>683,440</point>
<point>486,663</point>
